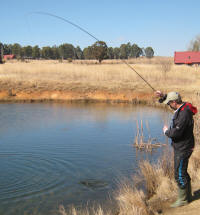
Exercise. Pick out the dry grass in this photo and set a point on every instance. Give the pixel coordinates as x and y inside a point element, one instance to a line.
<point>141,60</point>
<point>53,75</point>
<point>194,165</point>
<point>74,211</point>
<point>140,143</point>
<point>131,201</point>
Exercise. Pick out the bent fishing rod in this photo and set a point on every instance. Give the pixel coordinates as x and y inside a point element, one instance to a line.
<point>88,33</point>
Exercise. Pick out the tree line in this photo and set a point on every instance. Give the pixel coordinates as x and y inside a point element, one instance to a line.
<point>98,50</point>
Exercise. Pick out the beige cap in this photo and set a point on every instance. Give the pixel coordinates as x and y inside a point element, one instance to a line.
<point>172,96</point>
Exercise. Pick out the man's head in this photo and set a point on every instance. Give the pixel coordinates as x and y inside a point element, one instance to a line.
<point>173,100</point>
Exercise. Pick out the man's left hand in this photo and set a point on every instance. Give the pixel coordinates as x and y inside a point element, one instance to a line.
<point>165,128</point>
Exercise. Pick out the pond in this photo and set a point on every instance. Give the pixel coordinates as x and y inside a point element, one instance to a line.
<point>53,154</point>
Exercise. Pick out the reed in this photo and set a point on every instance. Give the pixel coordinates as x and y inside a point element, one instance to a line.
<point>140,143</point>
<point>74,211</point>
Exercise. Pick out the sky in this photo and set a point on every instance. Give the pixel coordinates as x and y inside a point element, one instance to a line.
<point>165,25</point>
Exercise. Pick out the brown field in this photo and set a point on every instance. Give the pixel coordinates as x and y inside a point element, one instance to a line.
<point>88,77</point>
<point>113,80</point>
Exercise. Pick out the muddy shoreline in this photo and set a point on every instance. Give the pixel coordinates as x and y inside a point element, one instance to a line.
<point>98,96</point>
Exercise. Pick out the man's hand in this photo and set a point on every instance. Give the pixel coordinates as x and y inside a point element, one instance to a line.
<point>165,128</point>
<point>158,93</point>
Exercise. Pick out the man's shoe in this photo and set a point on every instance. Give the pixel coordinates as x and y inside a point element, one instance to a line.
<point>182,198</point>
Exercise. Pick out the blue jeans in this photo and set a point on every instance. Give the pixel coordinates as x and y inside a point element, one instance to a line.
<point>180,168</point>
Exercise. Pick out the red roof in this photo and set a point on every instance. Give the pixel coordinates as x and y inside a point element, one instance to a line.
<point>187,57</point>
<point>8,56</point>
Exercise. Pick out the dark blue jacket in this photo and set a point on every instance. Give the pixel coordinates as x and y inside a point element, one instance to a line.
<point>181,130</point>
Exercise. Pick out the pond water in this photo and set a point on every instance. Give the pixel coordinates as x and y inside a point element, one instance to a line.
<point>53,154</point>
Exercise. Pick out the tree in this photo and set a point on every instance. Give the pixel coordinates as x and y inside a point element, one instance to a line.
<point>36,52</point>
<point>67,51</point>
<point>79,53</point>
<point>110,53</point>
<point>99,50</point>
<point>1,53</point>
<point>22,53</point>
<point>87,53</point>
<point>47,52</point>
<point>195,44</point>
<point>128,49</point>
<point>136,51</point>
<point>123,51</point>
<point>55,52</point>
<point>116,52</point>
<point>149,52</point>
<point>16,49</point>
<point>7,49</point>
<point>28,51</point>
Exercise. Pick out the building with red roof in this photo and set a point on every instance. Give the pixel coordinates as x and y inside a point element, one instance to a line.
<point>188,57</point>
<point>9,57</point>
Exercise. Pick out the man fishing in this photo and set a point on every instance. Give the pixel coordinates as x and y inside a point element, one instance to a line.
<point>181,134</point>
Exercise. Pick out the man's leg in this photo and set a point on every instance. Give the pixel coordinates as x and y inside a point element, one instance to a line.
<point>182,178</point>
<point>185,176</point>
<point>181,175</point>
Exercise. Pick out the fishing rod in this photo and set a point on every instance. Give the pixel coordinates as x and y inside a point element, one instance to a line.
<point>82,29</point>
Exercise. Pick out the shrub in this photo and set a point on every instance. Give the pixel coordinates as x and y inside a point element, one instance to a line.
<point>69,60</point>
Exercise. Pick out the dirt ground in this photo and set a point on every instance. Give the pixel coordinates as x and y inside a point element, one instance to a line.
<point>191,209</point>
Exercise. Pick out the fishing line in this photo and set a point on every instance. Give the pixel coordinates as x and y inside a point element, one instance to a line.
<point>139,75</point>
<point>65,20</point>
<point>82,29</point>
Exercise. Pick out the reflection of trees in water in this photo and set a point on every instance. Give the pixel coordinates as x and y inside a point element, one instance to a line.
<point>22,116</point>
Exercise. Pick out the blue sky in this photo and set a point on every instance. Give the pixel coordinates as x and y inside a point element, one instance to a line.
<point>166,26</point>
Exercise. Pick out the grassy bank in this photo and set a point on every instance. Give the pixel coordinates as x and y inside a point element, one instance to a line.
<point>86,77</point>
<point>112,81</point>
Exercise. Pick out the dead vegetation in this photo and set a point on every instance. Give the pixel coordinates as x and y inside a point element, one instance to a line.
<point>165,66</point>
<point>140,142</point>
<point>112,75</point>
<point>74,211</point>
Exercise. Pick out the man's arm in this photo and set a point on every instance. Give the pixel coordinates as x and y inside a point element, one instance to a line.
<point>180,127</point>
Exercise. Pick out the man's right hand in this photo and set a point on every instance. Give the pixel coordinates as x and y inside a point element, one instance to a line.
<point>158,93</point>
